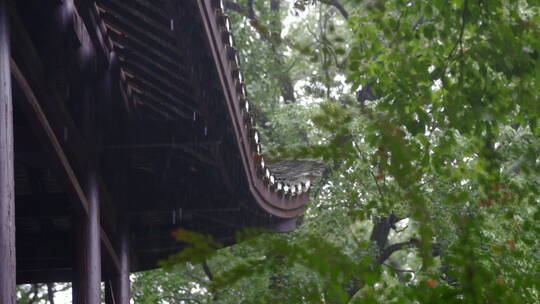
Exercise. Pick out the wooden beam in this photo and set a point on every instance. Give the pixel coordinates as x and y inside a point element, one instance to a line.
<point>171,145</point>
<point>44,131</point>
<point>7,182</point>
<point>50,142</point>
<point>85,11</point>
<point>42,123</point>
<point>90,24</point>
<point>108,246</point>
<point>47,275</point>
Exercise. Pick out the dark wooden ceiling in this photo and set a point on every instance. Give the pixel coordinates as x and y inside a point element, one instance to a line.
<point>165,142</point>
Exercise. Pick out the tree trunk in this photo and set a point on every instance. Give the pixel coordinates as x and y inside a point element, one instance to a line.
<point>50,293</point>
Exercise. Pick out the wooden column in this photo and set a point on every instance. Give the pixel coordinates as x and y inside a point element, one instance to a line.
<point>118,288</point>
<point>87,270</point>
<point>7,183</point>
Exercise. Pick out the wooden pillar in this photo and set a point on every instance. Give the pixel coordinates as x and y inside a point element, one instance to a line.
<point>7,183</point>
<point>122,283</point>
<point>118,288</point>
<point>87,270</point>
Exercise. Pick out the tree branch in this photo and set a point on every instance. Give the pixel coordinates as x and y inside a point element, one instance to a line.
<point>249,12</point>
<point>399,270</point>
<point>35,290</point>
<point>207,271</point>
<point>181,300</point>
<point>272,35</point>
<point>275,8</point>
<point>233,6</point>
<point>338,6</point>
<point>50,293</point>
<point>381,229</point>
<point>389,250</point>
<point>461,31</point>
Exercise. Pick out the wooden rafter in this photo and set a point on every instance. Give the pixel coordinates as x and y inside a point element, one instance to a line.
<point>160,80</point>
<point>174,70</point>
<point>147,98</point>
<point>164,56</point>
<point>128,10</point>
<point>129,27</point>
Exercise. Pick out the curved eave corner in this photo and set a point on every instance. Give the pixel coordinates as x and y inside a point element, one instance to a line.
<point>283,199</point>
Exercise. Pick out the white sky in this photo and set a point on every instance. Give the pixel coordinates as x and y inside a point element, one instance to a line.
<point>63,297</point>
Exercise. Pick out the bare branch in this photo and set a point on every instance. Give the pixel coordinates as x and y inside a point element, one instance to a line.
<point>207,271</point>
<point>181,300</point>
<point>338,6</point>
<point>251,11</point>
<point>381,229</point>
<point>459,42</point>
<point>389,250</point>
<point>398,269</point>
<point>50,293</point>
<point>401,230</point>
<point>234,6</point>
<point>275,6</point>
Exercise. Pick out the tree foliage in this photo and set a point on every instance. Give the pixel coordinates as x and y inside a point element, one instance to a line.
<point>426,114</point>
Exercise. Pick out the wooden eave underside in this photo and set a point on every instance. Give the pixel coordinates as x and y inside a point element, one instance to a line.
<point>268,193</point>
<point>152,63</point>
<point>156,82</point>
<point>173,129</point>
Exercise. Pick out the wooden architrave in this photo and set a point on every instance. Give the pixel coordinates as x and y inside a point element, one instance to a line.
<point>43,110</point>
<point>282,206</point>
<point>44,131</point>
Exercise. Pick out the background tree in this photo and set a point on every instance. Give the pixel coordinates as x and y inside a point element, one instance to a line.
<point>426,113</point>
<point>39,293</point>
